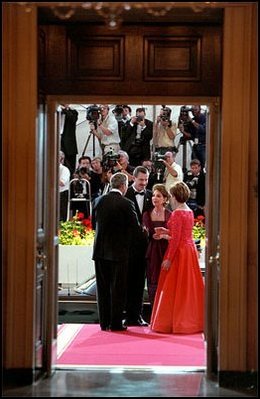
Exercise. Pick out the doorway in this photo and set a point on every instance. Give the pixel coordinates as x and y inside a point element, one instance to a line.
<point>212,134</point>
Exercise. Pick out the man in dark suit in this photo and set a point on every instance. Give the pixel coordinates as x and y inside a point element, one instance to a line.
<point>68,137</point>
<point>142,199</point>
<point>137,137</point>
<point>115,220</point>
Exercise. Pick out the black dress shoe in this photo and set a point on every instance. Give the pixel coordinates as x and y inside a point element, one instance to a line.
<point>138,322</point>
<point>104,328</point>
<point>121,327</point>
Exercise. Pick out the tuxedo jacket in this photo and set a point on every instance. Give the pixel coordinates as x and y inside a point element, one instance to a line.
<point>139,244</point>
<point>115,222</point>
<point>130,194</point>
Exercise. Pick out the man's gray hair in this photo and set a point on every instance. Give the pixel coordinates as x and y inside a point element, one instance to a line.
<point>118,179</point>
<point>123,153</point>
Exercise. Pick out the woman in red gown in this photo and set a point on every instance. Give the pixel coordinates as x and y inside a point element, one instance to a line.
<point>179,300</point>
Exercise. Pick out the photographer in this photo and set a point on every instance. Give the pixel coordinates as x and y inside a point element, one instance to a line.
<point>185,125</point>
<point>195,180</point>
<point>110,166</point>
<point>173,171</point>
<point>124,166</point>
<point>80,189</point>
<point>96,178</point>
<point>84,168</point>
<point>199,125</point>
<point>193,127</point>
<point>122,114</point>
<point>164,131</point>
<point>154,177</point>
<point>106,130</point>
<point>158,167</point>
<point>136,141</point>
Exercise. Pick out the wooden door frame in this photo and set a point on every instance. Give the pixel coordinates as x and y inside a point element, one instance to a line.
<point>237,340</point>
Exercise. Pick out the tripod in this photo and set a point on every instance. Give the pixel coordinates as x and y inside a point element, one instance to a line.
<point>183,142</point>
<point>87,142</point>
<point>88,139</point>
<point>93,144</point>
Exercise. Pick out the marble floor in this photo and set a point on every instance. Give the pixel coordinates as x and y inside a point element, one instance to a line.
<point>126,382</point>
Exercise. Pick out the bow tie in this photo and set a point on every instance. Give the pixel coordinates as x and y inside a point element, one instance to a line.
<point>139,193</point>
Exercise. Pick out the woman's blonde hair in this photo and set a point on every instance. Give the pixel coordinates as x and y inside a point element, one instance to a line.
<point>180,191</point>
<point>161,188</point>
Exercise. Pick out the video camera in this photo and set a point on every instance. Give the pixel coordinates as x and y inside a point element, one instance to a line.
<point>93,114</point>
<point>158,165</point>
<point>139,118</point>
<point>165,114</point>
<point>158,157</point>
<point>185,109</point>
<point>118,112</point>
<point>110,160</point>
<point>184,118</point>
<point>81,171</point>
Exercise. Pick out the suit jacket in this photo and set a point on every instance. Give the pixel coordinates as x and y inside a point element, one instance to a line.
<point>137,150</point>
<point>68,137</point>
<point>115,220</point>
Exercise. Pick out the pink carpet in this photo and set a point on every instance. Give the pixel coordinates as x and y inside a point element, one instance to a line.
<point>86,344</point>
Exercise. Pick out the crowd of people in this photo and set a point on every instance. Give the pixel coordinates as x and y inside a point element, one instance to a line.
<point>142,204</point>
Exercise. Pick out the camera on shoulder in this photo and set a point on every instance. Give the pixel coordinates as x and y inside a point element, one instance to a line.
<point>93,114</point>
<point>81,172</point>
<point>184,118</point>
<point>118,112</point>
<point>110,160</point>
<point>158,157</point>
<point>158,165</point>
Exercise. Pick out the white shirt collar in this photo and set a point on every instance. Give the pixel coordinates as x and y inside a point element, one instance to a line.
<point>115,190</point>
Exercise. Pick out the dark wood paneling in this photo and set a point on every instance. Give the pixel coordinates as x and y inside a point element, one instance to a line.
<point>89,60</point>
<point>96,57</point>
<point>172,58</point>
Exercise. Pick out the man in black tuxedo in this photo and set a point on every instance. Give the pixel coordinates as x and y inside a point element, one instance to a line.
<point>115,221</point>
<point>142,199</point>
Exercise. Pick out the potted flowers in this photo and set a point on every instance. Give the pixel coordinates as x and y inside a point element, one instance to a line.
<point>199,232</point>
<point>76,238</point>
<point>77,231</point>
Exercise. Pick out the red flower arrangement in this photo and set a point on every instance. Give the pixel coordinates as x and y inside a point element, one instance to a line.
<point>76,231</point>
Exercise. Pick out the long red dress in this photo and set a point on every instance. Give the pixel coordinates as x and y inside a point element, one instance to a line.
<point>179,300</point>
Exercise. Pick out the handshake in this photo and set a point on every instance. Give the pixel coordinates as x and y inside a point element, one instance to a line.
<point>161,233</point>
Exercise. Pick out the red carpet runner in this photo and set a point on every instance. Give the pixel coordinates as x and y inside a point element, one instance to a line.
<point>86,344</point>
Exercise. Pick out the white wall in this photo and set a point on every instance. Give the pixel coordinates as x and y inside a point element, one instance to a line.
<point>82,130</point>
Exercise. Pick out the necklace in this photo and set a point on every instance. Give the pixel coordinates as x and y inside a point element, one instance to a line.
<point>158,213</point>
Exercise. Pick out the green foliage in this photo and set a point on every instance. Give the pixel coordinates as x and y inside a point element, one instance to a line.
<point>199,230</point>
<point>77,231</point>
